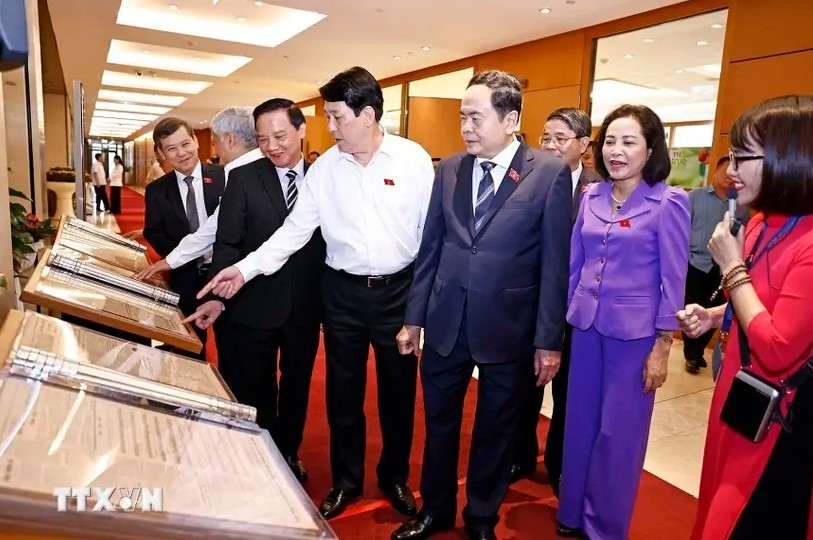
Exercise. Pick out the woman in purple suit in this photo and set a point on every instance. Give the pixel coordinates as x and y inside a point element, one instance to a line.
<point>629,252</point>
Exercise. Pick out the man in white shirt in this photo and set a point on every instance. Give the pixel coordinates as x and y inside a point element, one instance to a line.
<point>180,202</point>
<point>369,194</point>
<point>566,135</point>
<point>236,142</point>
<point>99,178</point>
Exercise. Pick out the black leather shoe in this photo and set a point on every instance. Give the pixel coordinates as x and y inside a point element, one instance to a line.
<point>298,468</point>
<point>693,366</point>
<point>336,501</point>
<point>419,528</point>
<point>569,532</point>
<point>479,534</point>
<point>518,472</point>
<point>401,497</point>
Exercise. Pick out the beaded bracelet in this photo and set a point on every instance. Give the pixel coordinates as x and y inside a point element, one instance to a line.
<point>737,283</point>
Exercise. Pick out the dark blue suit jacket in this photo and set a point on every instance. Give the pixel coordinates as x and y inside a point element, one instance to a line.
<point>511,276</point>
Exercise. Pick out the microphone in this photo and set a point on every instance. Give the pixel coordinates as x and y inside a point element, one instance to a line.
<point>731,193</point>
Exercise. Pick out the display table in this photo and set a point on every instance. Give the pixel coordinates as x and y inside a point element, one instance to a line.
<point>64,197</point>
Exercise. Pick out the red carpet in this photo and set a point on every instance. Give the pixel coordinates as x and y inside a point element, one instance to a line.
<point>663,512</point>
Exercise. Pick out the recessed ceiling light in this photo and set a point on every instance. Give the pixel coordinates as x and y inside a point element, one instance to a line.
<point>268,27</point>
<point>127,53</point>
<point>318,82</point>
<point>716,26</point>
<point>545,10</point>
<point>396,57</point>
<point>125,115</point>
<point>145,51</point>
<point>702,43</point>
<point>129,107</point>
<point>258,3</point>
<point>678,71</point>
<point>426,48</point>
<point>161,84</point>
<point>241,19</point>
<point>649,40</point>
<point>173,7</point>
<point>135,97</point>
<point>628,56</point>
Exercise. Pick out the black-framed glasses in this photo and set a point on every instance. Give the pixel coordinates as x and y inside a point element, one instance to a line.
<point>736,160</point>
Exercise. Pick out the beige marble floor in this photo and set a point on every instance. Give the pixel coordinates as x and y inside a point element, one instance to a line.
<point>678,430</point>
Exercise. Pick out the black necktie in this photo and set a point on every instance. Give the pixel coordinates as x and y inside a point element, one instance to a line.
<point>292,193</point>
<point>191,205</point>
<point>485,194</point>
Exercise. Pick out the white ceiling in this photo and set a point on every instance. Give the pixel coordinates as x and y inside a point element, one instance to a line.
<point>353,32</point>
<point>670,71</point>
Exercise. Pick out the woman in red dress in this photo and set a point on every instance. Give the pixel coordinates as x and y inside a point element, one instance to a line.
<point>762,490</point>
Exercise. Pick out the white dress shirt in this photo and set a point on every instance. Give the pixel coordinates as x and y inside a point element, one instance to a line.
<point>299,169</point>
<point>117,178</point>
<point>201,241</point>
<point>371,217</point>
<point>98,175</point>
<point>502,162</point>
<point>575,175</point>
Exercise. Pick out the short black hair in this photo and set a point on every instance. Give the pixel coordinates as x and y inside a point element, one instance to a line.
<point>97,156</point>
<point>312,152</point>
<point>783,128</point>
<point>358,89</point>
<point>435,159</point>
<point>506,91</point>
<point>575,119</point>
<point>117,157</point>
<point>275,104</point>
<point>659,165</point>
<point>722,161</point>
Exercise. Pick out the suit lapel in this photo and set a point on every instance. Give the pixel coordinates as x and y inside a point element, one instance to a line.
<point>211,191</point>
<point>271,183</point>
<point>640,201</point>
<point>175,199</point>
<point>462,193</point>
<point>520,168</point>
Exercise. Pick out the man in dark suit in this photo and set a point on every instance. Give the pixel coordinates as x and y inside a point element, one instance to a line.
<point>178,203</point>
<point>490,291</point>
<point>274,313</point>
<point>567,136</point>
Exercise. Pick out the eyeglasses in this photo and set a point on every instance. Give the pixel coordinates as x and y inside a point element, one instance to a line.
<point>736,160</point>
<point>558,140</point>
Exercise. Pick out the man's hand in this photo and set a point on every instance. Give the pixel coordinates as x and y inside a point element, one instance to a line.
<point>206,314</point>
<point>134,235</point>
<point>546,364</point>
<point>409,340</point>
<point>225,284</point>
<point>151,270</point>
<point>694,320</point>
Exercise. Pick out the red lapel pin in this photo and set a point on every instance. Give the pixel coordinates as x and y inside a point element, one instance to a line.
<point>584,188</point>
<point>388,182</point>
<point>625,223</point>
<point>514,175</point>
<point>207,180</point>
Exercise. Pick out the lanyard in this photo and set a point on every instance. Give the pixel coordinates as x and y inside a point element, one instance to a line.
<point>728,317</point>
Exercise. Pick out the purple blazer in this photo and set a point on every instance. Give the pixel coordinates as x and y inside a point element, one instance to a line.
<point>628,272</point>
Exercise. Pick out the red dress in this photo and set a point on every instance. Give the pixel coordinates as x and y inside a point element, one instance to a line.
<point>781,341</point>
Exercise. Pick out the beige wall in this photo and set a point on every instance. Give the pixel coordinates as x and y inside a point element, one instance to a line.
<point>7,299</point>
<point>56,131</point>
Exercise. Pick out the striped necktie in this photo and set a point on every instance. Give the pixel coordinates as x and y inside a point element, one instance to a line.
<point>292,193</point>
<point>485,194</point>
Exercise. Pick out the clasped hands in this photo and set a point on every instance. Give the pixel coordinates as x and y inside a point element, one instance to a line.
<point>546,363</point>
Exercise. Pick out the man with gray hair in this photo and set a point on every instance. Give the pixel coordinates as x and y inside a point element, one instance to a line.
<point>566,135</point>
<point>236,143</point>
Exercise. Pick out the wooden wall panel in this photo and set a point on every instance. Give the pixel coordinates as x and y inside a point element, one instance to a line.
<point>770,28</point>
<point>538,105</point>
<point>749,82</point>
<point>434,123</point>
<point>204,143</point>
<point>547,63</point>
<point>317,137</point>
